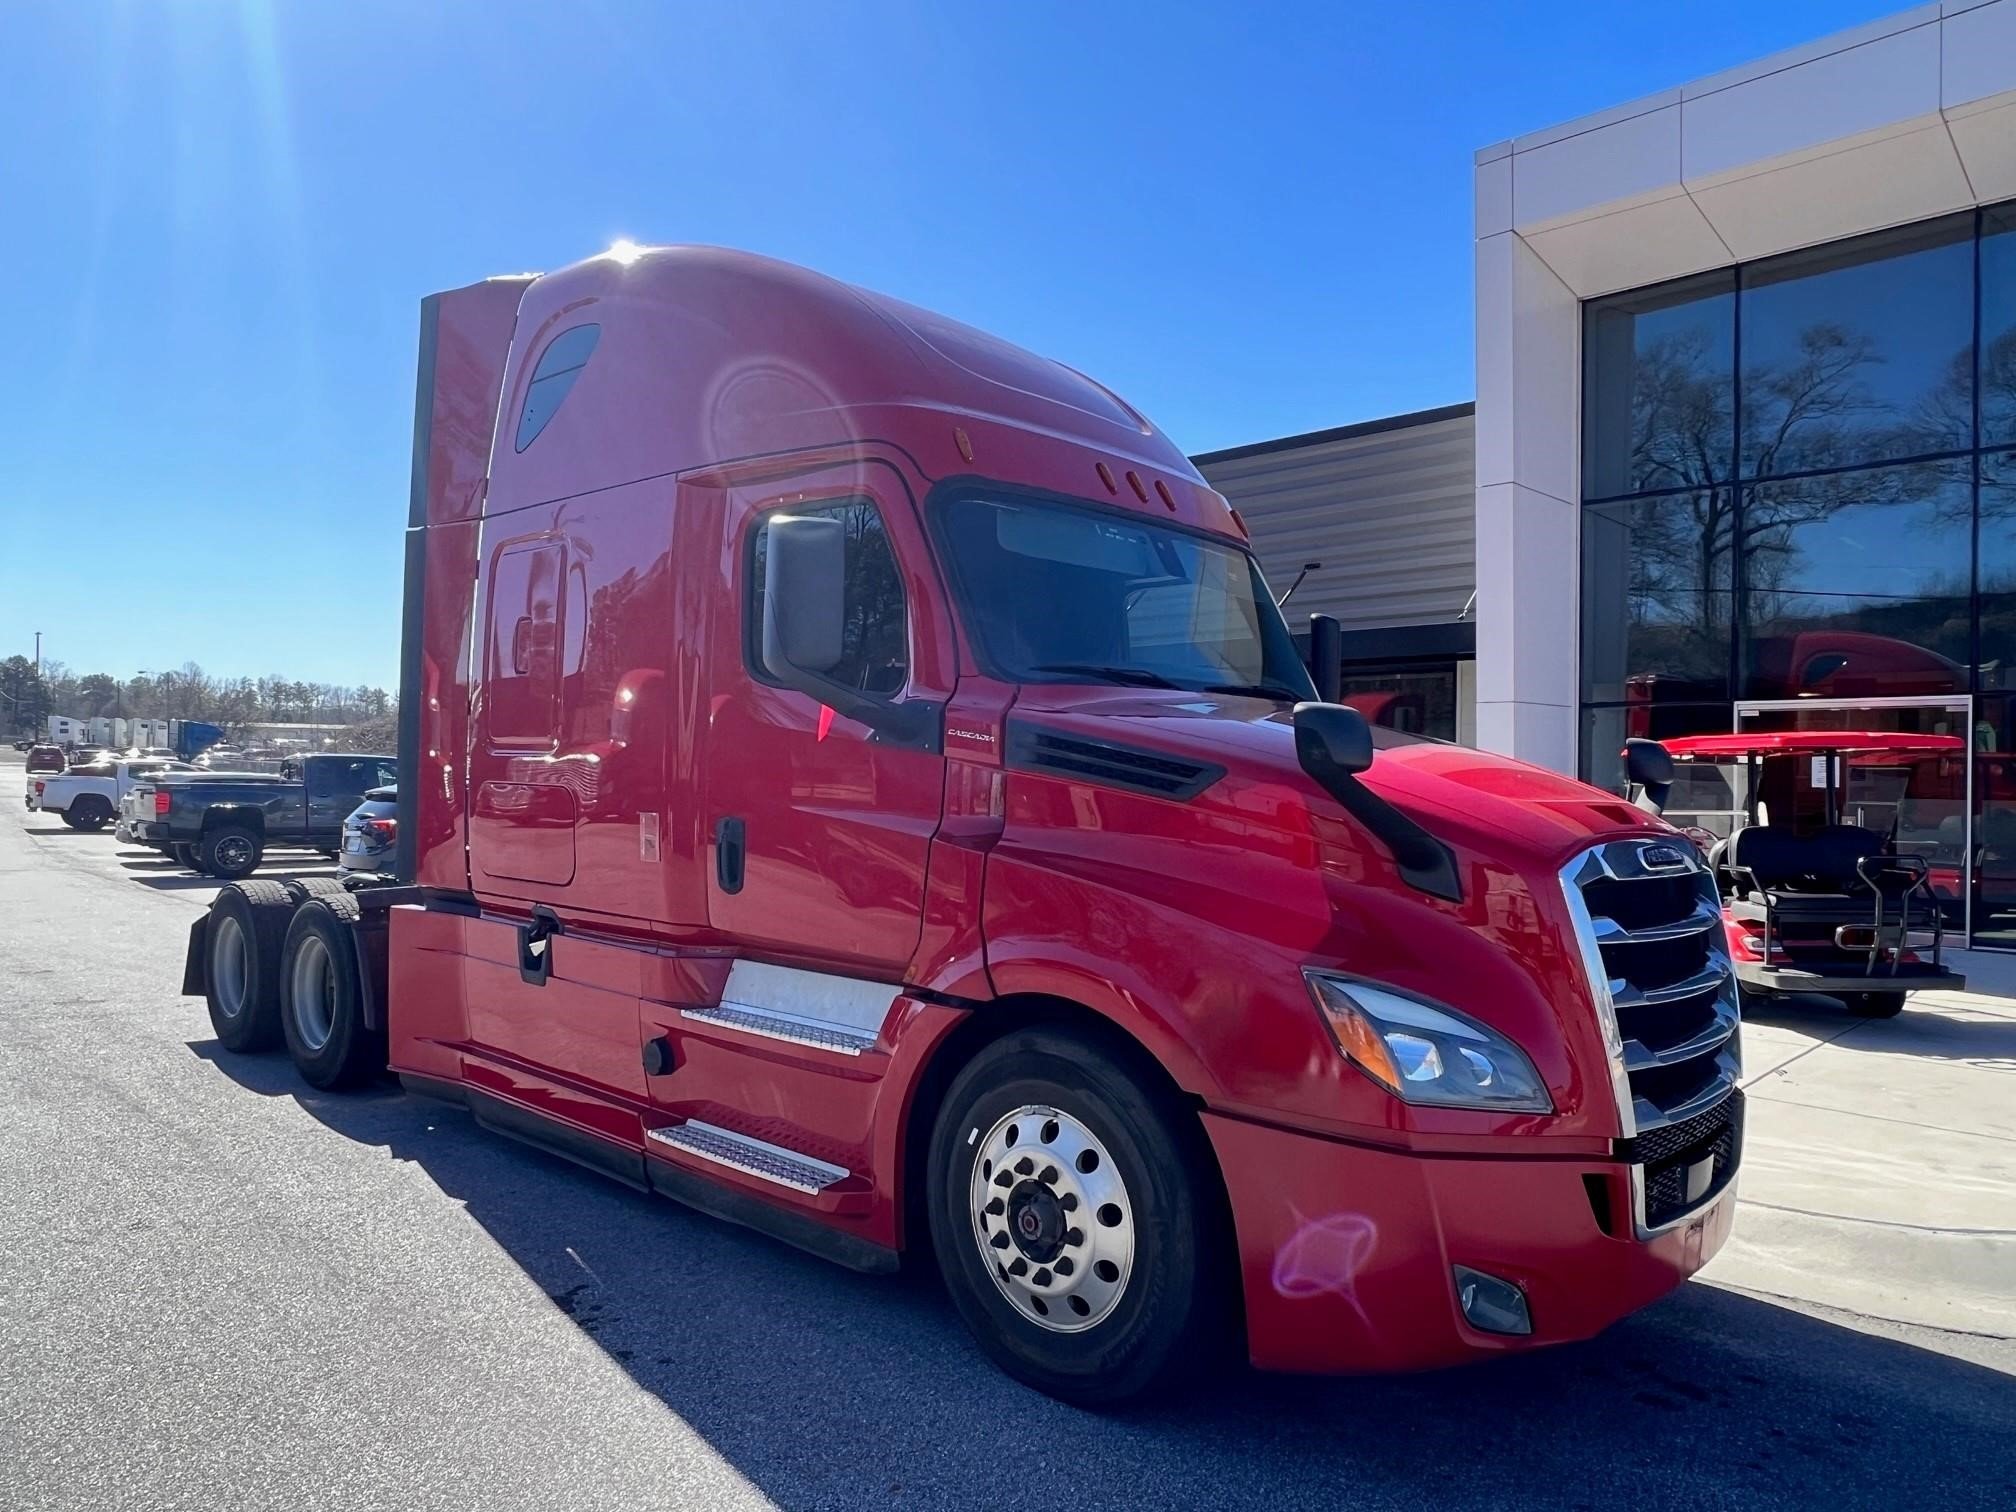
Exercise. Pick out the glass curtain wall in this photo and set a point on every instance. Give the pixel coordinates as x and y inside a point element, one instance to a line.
<point>1799,481</point>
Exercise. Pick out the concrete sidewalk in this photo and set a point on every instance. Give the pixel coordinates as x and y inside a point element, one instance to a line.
<point>1880,1167</point>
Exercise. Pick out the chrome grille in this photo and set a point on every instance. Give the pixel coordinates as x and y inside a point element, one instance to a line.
<point>1648,923</point>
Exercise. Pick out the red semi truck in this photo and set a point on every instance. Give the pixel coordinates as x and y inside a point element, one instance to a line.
<point>855,781</point>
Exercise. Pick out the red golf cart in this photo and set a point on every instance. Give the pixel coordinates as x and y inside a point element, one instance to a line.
<point>1812,902</point>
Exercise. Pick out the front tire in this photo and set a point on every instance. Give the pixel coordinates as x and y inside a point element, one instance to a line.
<point>1073,1215</point>
<point>322,997</point>
<point>229,852</point>
<point>248,926</point>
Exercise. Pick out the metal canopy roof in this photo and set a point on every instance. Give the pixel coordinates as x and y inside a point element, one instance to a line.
<point>1792,742</point>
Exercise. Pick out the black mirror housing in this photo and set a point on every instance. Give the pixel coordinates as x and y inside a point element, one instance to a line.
<point>1326,656</point>
<point>1334,744</point>
<point>1648,766</point>
<point>1332,736</point>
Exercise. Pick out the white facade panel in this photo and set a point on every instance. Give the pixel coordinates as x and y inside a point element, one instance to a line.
<point>1879,87</point>
<point>1903,119</point>
<point>1630,160</point>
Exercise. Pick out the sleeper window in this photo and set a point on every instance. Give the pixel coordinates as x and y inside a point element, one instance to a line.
<point>559,365</point>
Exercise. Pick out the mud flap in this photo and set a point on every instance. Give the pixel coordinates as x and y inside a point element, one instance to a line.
<point>196,964</point>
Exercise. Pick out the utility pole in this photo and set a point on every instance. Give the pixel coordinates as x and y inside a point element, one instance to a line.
<point>38,654</point>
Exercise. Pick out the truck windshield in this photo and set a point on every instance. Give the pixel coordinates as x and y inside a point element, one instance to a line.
<point>1061,593</point>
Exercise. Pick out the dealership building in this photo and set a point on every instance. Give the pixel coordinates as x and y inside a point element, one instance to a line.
<point>1743,452</point>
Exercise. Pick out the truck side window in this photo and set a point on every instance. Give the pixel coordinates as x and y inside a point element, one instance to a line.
<point>559,365</point>
<point>877,655</point>
<point>522,662</point>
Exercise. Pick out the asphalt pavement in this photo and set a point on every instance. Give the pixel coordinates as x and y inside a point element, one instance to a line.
<point>221,1289</point>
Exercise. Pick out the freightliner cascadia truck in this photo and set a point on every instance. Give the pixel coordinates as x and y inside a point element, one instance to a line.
<point>855,781</point>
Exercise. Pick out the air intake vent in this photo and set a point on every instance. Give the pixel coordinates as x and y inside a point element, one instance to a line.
<point>1032,748</point>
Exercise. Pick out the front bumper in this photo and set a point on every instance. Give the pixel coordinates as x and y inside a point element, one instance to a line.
<point>1832,980</point>
<point>1346,1251</point>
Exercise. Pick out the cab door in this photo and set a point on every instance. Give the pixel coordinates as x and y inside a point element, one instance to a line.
<point>820,828</point>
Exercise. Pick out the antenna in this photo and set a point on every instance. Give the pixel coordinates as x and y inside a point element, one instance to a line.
<point>1307,568</point>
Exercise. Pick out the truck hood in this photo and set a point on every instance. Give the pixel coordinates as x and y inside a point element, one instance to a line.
<point>1493,806</point>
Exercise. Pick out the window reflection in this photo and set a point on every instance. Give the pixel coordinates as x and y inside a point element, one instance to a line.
<point>1995,820</point>
<point>1858,585</point>
<point>1606,728</point>
<point>1860,351</point>
<point>1997,572</point>
<point>1659,382</point>
<point>1657,611</point>
<point>1998,326</point>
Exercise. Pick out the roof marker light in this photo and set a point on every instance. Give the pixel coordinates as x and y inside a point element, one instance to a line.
<point>965,444</point>
<point>1134,482</point>
<point>1163,489</point>
<point>1106,477</point>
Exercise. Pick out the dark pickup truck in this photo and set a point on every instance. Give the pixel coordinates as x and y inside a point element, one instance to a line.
<point>222,826</point>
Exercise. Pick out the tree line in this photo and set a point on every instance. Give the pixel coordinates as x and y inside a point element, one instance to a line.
<point>28,698</point>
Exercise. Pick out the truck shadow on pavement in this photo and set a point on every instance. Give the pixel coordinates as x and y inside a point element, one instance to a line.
<point>166,875</point>
<point>831,1389</point>
<point>1936,1031</point>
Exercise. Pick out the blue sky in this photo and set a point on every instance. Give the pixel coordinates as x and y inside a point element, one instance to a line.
<point>217,220</point>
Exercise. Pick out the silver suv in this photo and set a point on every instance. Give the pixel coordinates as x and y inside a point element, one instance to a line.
<point>371,832</point>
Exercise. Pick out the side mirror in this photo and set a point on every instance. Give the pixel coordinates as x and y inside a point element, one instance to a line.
<point>1334,744</point>
<point>1326,656</point>
<point>1332,737</point>
<point>805,630</point>
<point>1648,765</point>
<point>804,598</point>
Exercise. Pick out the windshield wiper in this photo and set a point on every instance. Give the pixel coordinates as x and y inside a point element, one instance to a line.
<point>1134,676</point>
<point>1257,690</point>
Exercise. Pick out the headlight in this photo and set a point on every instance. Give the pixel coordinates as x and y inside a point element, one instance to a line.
<point>1426,1054</point>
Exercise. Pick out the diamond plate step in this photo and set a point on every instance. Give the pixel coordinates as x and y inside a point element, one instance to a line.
<point>839,1038</point>
<point>787,1168</point>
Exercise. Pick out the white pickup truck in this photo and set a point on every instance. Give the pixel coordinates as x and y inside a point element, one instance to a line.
<point>87,797</point>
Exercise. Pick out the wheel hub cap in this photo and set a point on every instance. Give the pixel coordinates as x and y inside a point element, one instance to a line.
<point>1052,1217</point>
<point>1036,1221</point>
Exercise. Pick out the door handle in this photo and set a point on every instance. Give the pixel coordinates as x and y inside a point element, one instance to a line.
<point>535,946</point>
<point>730,852</point>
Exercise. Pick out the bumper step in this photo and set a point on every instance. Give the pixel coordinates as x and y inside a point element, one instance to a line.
<point>753,1157</point>
<point>841,1039</point>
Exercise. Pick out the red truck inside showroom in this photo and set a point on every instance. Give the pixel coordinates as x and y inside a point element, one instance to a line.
<point>855,781</point>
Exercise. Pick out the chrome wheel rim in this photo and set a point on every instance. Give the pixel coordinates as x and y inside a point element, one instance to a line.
<point>313,999</point>
<point>230,964</point>
<point>1052,1217</point>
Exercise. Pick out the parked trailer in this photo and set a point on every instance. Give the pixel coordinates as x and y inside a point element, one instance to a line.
<point>879,804</point>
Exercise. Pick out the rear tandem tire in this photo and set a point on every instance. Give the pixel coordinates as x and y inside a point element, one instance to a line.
<point>1875,1005</point>
<point>303,888</point>
<point>322,999</point>
<point>248,926</point>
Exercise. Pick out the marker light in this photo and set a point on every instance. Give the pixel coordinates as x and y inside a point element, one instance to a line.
<point>1426,1054</point>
